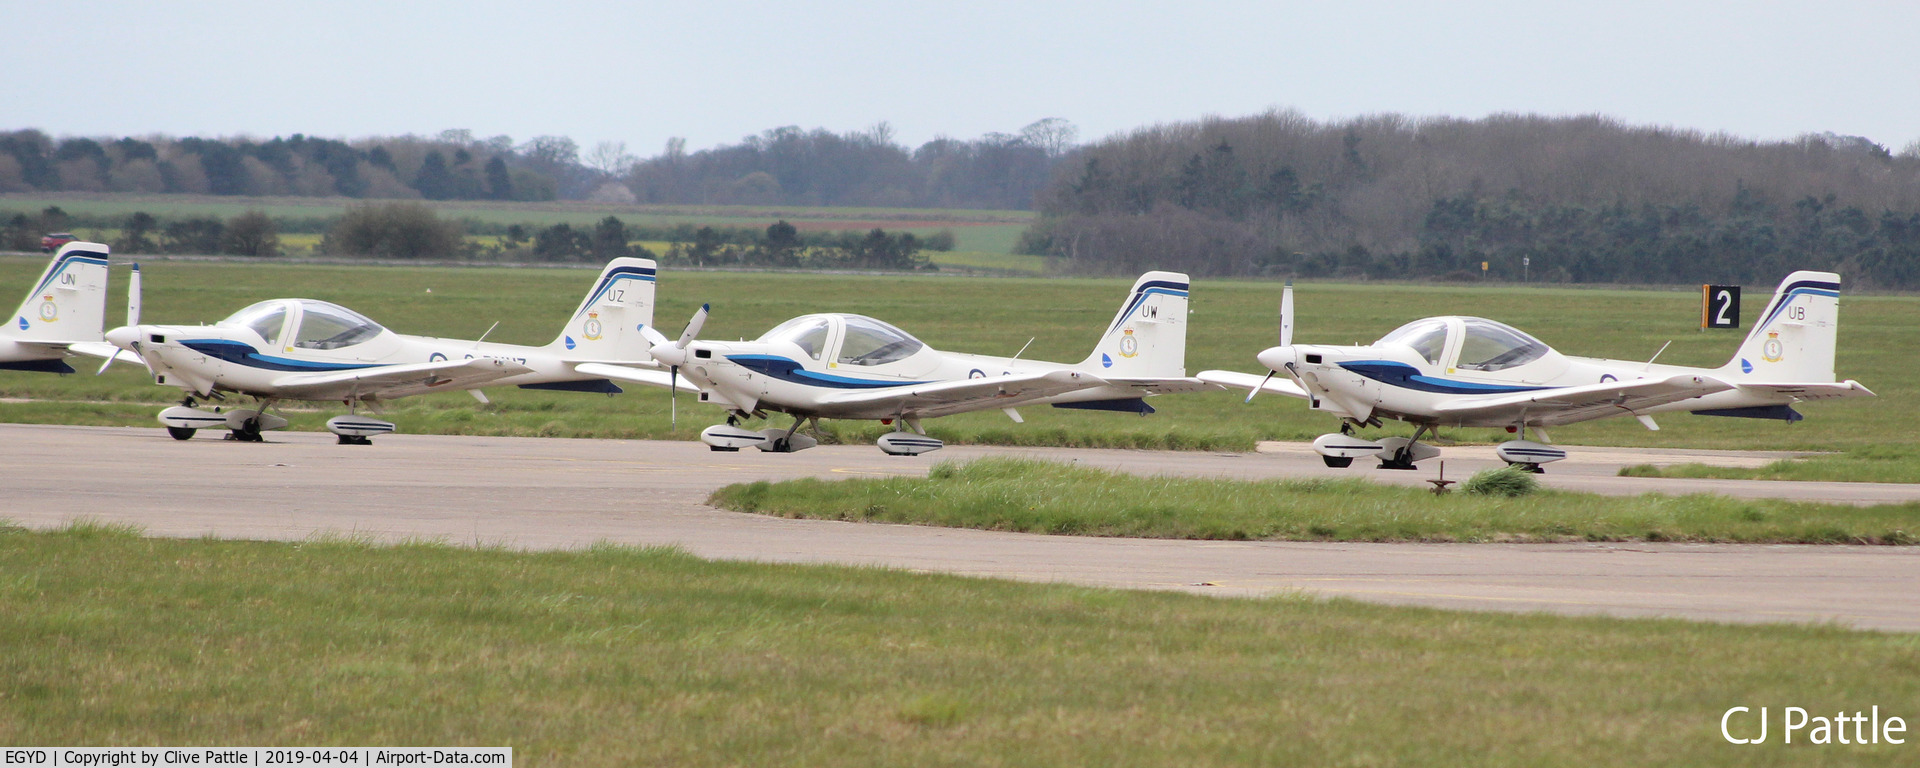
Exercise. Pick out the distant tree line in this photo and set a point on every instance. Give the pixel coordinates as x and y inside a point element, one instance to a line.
<point>1582,199</point>
<point>451,166</point>
<point>790,166</point>
<point>785,166</point>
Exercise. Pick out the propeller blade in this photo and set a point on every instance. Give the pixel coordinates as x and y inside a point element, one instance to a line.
<point>673,397</point>
<point>693,327</point>
<point>1286,315</point>
<point>677,354</point>
<point>107,362</point>
<point>1256,390</point>
<point>133,298</point>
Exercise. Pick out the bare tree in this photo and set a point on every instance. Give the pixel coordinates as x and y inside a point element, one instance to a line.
<point>611,158</point>
<point>1053,135</point>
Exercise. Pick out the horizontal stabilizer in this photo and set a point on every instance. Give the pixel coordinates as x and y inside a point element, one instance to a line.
<point>650,376</point>
<point>1248,381</point>
<point>1800,391</point>
<point>99,349</point>
<point>1163,386</point>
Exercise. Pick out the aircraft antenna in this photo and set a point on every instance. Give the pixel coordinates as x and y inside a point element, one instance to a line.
<point>1656,355</point>
<point>483,337</point>
<point>1023,348</point>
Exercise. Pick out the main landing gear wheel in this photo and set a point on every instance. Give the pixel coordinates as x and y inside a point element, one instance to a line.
<point>1338,462</point>
<point>1404,453</point>
<point>355,440</point>
<point>181,433</point>
<point>1525,467</point>
<point>248,432</point>
<point>1402,459</point>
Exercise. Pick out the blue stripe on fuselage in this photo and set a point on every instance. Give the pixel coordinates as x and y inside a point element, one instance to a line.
<point>1408,377</point>
<point>242,353</point>
<point>787,369</point>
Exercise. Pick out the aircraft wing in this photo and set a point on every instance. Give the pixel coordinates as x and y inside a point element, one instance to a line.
<point>1567,405</point>
<point>951,397</point>
<point>1279,385</point>
<point>650,376</point>
<point>391,381</point>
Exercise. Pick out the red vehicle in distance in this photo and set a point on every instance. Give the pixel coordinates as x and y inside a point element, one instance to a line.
<point>51,243</point>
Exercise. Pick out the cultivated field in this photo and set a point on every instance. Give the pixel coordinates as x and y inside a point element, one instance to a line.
<point>617,656</point>
<point>1230,322</point>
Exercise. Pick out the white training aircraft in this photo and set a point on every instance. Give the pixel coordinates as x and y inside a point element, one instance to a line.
<point>67,306</point>
<point>1472,372</point>
<point>303,349</point>
<point>841,366</point>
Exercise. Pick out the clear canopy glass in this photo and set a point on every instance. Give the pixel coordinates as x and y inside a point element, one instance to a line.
<point>1493,346</point>
<point>264,318</point>
<point>331,326</point>
<point>1427,337</point>
<point>872,342</point>
<point>809,332</point>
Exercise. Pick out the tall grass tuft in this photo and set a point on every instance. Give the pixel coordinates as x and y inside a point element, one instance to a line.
<point>1511,482</point>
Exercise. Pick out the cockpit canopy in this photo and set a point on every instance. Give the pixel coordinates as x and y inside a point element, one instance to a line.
<point>1485,345</point>
<point>1427,337</point>
<point>1492,346</point>
<point>872,342</point>
<point>865,341</point>
<point>321,325</point>
<point>810,332</point>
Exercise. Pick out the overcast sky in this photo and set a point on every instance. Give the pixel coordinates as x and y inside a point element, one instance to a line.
<point>714,71</point>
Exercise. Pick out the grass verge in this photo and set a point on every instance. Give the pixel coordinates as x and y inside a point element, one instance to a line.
<point>620,656</point>
<point>1866,464</point>
<point>1044,497</point>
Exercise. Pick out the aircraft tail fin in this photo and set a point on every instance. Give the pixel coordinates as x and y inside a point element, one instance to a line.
<point>612,321</point>
<point>1794,338</point>
<point>1148,336</point>
<point>69,302</point>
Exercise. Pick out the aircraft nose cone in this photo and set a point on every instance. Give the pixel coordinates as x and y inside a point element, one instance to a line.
<point>1276,358</point>
<point>123,337</point>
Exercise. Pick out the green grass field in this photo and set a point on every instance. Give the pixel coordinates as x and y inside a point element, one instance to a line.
<point>1030,496</point>
<point>1230,322</point>
<point>616,656</point>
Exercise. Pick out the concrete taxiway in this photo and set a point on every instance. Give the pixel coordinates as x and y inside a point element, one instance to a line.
<point>556,493</point>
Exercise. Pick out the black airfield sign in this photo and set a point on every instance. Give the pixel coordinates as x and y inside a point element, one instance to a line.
<point>1719,306</point>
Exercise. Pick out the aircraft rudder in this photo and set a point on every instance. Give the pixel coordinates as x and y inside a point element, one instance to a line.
<point>1796,335</point>
<point>68,303</point>
<point>1148,335</point>
<point>609,323</point>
